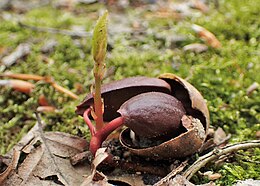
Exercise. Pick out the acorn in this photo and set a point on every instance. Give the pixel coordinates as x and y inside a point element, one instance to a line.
<point>193,130</point>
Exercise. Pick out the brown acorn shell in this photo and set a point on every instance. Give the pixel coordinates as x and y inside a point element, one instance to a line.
<point>193,102</point>
<point>185,144</point>
<point>188,142</point>
<point>117,92</point>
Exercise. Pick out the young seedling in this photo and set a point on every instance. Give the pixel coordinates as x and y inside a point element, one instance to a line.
<point>150,110</point>
<point>99,47</point>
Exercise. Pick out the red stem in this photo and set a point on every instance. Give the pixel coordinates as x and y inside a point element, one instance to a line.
<point>88,122</point>
<point>101,135</point>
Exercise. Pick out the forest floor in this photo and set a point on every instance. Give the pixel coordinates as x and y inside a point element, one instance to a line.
<point>144,39</point>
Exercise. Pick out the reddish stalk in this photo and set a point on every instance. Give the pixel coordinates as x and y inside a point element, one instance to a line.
<point>100,136</point>
<point>88,122</point>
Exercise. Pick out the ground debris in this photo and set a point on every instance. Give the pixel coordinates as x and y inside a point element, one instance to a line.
<point>254,86</point>
<point>207,36</point>
<point>248,182</point>
<point>196,47</point>
<point>46,160</point>
<point>21,51</point>
<point>49,46</point>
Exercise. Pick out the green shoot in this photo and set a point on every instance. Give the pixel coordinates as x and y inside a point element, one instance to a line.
<point>99,47</point>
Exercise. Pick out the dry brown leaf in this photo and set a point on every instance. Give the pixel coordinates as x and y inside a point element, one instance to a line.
<point>98,178</point>
<point>206,35</point>
<point>219,136</point>
<point>47,160</point>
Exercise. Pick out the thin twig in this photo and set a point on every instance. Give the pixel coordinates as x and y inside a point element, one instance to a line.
<point>56,31</point>
<point>172,174</point>
<point>46,79</point>
<point>11,166</point>
<point>216,153</point>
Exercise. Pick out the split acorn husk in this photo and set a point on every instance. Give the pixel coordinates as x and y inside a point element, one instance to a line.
<point>195,122</point>
<point>130,99</point>
<point>117,92</point>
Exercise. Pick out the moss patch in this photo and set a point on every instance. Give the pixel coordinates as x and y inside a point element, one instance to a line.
<point>222,75</point>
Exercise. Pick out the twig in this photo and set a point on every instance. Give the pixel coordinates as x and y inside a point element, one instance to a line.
<point>172,174</point>
<point>46,79</point>
<point>64,90</point>
<point>56,31</point>
<point>11,166</point>
<point>216,153</point>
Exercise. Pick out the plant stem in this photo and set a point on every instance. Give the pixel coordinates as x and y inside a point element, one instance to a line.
<point>101,135</point>
<point>98,103</point>
<point>88,122</point>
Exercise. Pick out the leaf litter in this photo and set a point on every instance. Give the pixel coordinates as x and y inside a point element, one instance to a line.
<point>44,158</point>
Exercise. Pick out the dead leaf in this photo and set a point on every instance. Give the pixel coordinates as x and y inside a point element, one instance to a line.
<point>214,176</point>
<point>97,177</point>
<point>211,175</point>
<point>21,51</point>
<point>219,136</point>
<point>47,160</point>
<point>206,35</point>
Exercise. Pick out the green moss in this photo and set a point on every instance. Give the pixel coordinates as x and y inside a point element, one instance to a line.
<point>221,75</point>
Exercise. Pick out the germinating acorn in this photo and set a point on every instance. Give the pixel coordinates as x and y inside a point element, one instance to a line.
<point>169,109</point>
<point>152,114</point>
